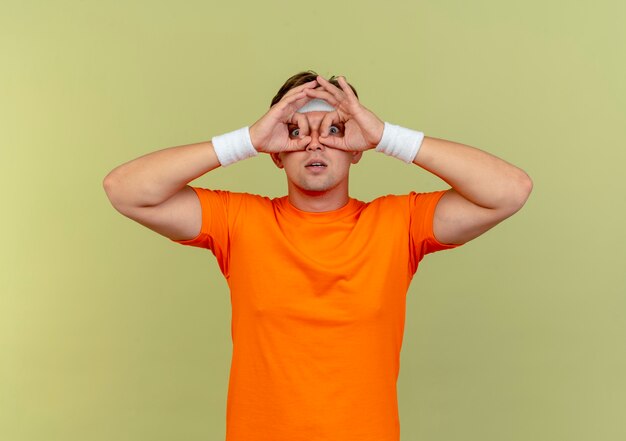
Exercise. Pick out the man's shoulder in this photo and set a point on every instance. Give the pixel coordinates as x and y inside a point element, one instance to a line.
<point>410,203</point>
<point>389,199</point>
<point>387,205</point>
<point>411,197</point>
<point>235,195</point>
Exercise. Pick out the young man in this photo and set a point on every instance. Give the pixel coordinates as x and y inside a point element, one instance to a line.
<point>318,279</point>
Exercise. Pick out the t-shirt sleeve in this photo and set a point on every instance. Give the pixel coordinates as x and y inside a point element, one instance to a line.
<point>422,212</point>
<point>218,212</point>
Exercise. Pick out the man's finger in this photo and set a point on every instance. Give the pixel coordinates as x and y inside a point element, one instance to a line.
<point>300,88</point>
<point>290,104</point>
<point>330,87</point>
<point>346,87</point>
<point>302,122</point>
<point>291,97</point>
<point>327,121</point>
<point>297,144</point>
<point>322,94</point>
<point>332,142</point>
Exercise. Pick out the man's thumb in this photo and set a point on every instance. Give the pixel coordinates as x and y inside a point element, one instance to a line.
<point>330,141</point>
<point>302,143</point>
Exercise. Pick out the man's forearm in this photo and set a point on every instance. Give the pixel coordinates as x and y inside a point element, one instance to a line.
<point>478,176</point>
<point>153,178</point>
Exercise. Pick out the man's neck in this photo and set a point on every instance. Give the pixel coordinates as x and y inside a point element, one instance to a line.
<point>317,202</point>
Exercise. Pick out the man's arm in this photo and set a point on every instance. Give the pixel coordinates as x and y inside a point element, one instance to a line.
<point>152,189</point>
<point>485,189</point>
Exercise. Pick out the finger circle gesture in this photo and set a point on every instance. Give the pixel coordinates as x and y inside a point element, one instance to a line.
<point>363,129</point>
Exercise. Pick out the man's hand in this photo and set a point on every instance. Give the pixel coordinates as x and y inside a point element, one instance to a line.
<point>362,129</point>
<point>270,133</point>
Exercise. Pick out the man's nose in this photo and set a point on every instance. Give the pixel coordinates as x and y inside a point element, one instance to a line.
<point>315,143</point>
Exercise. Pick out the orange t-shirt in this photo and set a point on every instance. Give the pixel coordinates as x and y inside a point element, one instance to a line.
<point>318,308</point>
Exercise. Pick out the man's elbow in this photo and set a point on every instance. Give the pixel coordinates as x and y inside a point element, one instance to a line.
<point>108,183</point>
<point>521,189</point>
<point>111,186</point>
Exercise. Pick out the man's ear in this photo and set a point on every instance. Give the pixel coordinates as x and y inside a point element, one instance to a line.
<point>277,160</point>
<point>356,157</point>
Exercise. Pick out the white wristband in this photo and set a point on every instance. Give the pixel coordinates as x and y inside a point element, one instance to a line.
<point>233,146</point>
<point>400,142</point>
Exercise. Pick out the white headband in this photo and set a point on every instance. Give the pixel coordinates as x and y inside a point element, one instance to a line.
<point>316,105</point>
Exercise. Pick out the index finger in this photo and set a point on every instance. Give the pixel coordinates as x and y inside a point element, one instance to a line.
<point>330,87</point>
<point>300,88</point>
<point>302,122</point>
<point>327,121</point>
<point>345,86</point>
<point>284,109</point>
<point>324,95</point>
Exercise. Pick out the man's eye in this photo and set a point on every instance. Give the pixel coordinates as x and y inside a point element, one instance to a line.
<point>334,130</point>
<point>295,132</point>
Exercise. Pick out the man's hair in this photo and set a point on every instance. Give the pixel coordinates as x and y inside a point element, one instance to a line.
<point>301,78</point>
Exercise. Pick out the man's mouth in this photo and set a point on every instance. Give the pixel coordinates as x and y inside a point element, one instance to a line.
<point>316,164</point>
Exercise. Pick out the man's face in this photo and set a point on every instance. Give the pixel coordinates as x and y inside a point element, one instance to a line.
<point>317,168</point>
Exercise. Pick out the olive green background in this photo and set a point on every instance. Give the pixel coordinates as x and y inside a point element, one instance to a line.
<point>109,331</point>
